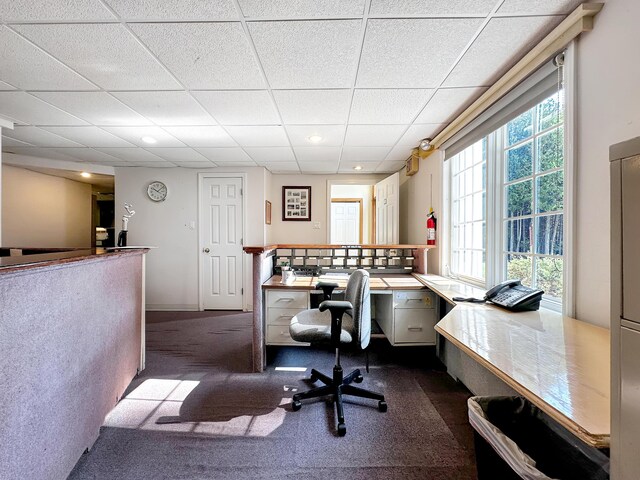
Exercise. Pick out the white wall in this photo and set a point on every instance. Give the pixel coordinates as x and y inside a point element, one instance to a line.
<point>417,194</point>
<point>608,112</point>
<point>172,269</point>
<point>41,210</point>
<point>365,192</point>
<point>303,232</point>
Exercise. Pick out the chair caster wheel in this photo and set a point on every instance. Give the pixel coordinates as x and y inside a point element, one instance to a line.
<point>342,429</point>
<point>382,406</point>
<point>296,405</point>
<point>358,379</point>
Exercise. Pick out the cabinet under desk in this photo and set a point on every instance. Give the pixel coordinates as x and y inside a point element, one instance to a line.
<point>404,308</point>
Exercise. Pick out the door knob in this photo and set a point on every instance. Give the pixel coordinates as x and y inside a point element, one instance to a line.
<point>206,250</point>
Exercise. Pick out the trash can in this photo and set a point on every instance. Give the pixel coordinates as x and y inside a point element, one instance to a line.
<point>516,440</point>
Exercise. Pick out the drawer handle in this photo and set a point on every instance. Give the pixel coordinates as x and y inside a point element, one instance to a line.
<point>414,299</point>
<point>287,317</point>
<point>288,299</point>
<point>283,334</point>
<point>415,329</point>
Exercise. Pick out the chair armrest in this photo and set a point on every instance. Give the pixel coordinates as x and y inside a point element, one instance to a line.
<point>337,309</point>
<point>327,289</point>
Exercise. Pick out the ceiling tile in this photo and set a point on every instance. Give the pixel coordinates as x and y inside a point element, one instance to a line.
<point>373,135</point>
<point>332,135</point>
<point>318,155</point>
<point>427,8</point>
<point>166,108</point>
<point>131,154</point>
<point>259,136</point>
<point>26,108</point>
<point>539,7</point>
<point>89,136</point>
<point>89,155</point>
<point>202,136</point>
<point>178,154</point>
<point>98,108</point>
<point>412,52</point>
<point>283,167</point>
<point>53,10</point>
<point>12,142</point>
<point>364,154</point>
<point>228,154</point>
<point>319,168</point>
<point>387,106</point>
<point>29,68</point>
<point>390,167</point>
<point>416,133</point>
<point>399,153</point>
<point>152,164</point>
<point>6,86</point>
<point>40,152</point>
<point>348,167</point>
<point>248,163</point>
<point>501,44</point>
<point>135,134</point>
<point>311,54</point>
<point>264,155</point>
<point>175,10</point>
<point>447,103</point>
<point>39,137</point>
<point>313,106</point>
<point>204,55</point>
<point>194,164</point>
<point>106,54</point>
<point>240,107</point>
<point>301,8</point>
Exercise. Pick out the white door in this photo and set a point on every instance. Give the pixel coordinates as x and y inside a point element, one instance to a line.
<point>345,223</point>
<point>221,243</point>
<point>388,210</point>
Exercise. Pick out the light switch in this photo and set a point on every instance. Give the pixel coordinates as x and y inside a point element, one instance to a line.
<point>316,225</point>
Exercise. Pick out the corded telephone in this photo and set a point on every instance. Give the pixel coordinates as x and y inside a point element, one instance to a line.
<point>511,295</point>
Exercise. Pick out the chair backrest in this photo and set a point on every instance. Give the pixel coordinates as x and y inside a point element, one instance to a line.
<point>357,292</point>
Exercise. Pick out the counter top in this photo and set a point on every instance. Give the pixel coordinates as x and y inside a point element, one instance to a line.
<point>560,364</point>
<point>269,248</point>
<point>377,282</point>
<point>24,262</point>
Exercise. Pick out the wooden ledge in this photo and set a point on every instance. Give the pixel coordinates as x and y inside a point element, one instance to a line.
<point>269,248</point>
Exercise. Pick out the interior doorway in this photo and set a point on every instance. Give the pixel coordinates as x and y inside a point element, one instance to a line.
<point>346,220</point>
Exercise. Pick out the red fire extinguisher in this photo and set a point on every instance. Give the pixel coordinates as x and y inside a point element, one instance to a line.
<point>431,227</point>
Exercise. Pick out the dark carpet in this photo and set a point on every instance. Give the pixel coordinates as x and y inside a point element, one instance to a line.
<point>197,412</point>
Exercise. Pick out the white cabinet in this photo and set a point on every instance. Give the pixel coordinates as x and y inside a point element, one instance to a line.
<point>407,317</point>
<point>280,307</point>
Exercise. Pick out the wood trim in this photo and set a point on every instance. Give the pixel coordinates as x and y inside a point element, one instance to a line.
<point>268,248</point>
<point>353,200</point>
<point>578,21</point>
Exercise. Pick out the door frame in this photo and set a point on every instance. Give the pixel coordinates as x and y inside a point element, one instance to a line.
<point>348,181</point>
<point>360,212</point>
<point>245,264</point>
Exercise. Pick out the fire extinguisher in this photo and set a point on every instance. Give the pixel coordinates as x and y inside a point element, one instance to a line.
<point>431,227</point>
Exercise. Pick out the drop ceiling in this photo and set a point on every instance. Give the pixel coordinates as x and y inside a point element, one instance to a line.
<point>248,82</point>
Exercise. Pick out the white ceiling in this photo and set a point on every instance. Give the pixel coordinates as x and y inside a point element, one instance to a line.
<point>247,82</point>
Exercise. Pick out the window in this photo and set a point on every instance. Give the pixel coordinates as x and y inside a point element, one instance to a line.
<point>515,230</point>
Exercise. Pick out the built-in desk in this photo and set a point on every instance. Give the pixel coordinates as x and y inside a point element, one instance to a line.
<point>559,363</point>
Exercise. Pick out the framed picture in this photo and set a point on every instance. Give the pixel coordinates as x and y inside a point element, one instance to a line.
<point>296,203</point>
<point>267,212</point>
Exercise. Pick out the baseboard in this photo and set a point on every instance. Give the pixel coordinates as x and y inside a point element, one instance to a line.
<point>171,307</point>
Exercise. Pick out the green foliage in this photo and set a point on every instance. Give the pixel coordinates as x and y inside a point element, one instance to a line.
<point>551,150</point>
<point>520,162</point>
<point>549,276</point>
<point>520,128</point>
<point>519,199</point>
<point>550,192</point>
<point>520,267</point>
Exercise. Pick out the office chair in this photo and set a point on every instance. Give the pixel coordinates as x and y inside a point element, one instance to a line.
<point>318,326</point>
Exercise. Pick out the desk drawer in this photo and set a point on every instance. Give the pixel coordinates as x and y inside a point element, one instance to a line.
<point>415,326</point>
<point>414,299</point>
<point>279,335</point>
<point>288,298</point>
<point>281,316</point>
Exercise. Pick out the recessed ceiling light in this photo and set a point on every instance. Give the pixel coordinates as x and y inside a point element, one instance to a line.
<point>358,167</point>
<point>149,139</point>
<point>85,174</point>
<point>314,138</point>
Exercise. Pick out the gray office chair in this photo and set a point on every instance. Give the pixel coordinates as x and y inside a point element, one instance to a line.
<point>319,326</point>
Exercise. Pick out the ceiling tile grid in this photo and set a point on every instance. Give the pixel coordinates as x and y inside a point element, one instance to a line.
<point>291,85</point>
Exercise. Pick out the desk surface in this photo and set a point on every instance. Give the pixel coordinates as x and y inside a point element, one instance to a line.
<point>559,363</point>
<point>377,282</point>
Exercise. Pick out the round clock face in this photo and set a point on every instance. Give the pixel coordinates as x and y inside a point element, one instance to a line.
<point>157,191</point>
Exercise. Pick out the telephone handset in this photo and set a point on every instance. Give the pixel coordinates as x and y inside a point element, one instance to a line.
<point>511,295</point>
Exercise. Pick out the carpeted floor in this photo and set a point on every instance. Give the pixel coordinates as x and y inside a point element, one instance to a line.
<point>197,412</point>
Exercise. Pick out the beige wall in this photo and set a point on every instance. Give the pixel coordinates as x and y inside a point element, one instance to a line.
<point>608,112</point>
<point>44,211</point>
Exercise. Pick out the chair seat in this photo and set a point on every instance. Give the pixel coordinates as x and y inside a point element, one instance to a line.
<point>314,326</point>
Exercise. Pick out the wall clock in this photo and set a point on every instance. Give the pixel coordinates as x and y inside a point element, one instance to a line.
<point>157,191</point>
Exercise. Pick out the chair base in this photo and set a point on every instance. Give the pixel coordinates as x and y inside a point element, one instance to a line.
<point>336,387</point>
